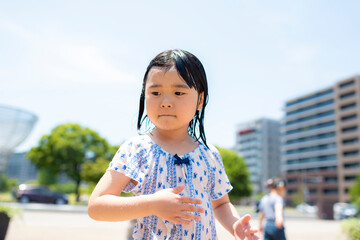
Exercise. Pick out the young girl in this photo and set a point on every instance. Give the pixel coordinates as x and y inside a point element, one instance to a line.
<point>272,209</point>
<point>177,179</point>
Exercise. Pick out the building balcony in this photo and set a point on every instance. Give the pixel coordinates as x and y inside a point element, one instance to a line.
<point>285,158</point>
<point>350,171</point>
<point>350,146</point>
<point>309,112</point>
<point>308,123</point>
<point>285,138</point>
<point>345,124</point>
<point>346,101</point>
<point>310,143</point>
<point>341,91</point>
<point>310,102</point>
<point>346,112</point>
<point>324,173</point>
<point>300,166</point>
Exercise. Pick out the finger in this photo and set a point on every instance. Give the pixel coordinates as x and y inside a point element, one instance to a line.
<point>253,230</point>
<point>245,219</point>
<point>192,208</point>
<point>191,200</point>
<point>178,189</point>
<point>189,216</point>
<point>180,220</point>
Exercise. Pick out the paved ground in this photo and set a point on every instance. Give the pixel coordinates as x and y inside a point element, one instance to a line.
<point>37,224</point>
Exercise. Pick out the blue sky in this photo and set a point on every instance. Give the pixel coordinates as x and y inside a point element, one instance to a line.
<point>83,61</point>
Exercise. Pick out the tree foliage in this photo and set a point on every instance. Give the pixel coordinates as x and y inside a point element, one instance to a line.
<point>6,183</point>
<point>46,177</point>
<point>237,173</point>
<point>93,171</point>
<point>66,149</point>
<point>354,192</point>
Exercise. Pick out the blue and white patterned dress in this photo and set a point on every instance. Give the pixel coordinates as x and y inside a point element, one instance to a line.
<point>141,159</point>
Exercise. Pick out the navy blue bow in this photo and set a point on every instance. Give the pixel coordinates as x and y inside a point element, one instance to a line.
<point>179,161</point>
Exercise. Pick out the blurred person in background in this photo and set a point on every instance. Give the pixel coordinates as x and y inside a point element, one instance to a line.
<point>272,209</point>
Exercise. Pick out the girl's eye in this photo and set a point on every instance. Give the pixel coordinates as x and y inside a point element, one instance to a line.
<point>179,93</point>
<point>155,93</point>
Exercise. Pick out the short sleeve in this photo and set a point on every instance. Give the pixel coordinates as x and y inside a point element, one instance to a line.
<point>261,204</point>
<point>220,184</point>
<point>279,200</point>
<point>128,161</point>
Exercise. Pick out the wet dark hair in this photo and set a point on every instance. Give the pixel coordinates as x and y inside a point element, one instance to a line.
<point>273,183</point>
<point>192,71</point>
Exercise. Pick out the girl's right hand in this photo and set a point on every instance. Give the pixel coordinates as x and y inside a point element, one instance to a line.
<point>169,205</point>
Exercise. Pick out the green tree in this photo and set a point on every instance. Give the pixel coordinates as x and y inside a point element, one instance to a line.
<point>93,171</point>
<point>237,173</point>
<point>46,177</point>
<point>354,192</point>
<point>66,149</point>
<point>298,196</point>
<point>6,183</point>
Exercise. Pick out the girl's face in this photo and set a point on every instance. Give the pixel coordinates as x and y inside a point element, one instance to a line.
<point>281,191</point>
<point>170,103</point>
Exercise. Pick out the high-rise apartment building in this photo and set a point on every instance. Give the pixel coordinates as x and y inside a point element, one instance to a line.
<point>320,144</point>
<point>258,143</point>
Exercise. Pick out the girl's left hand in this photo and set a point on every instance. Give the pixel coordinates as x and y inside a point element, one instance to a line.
<point>243,230</point>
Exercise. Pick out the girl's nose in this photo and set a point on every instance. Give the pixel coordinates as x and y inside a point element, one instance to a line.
<point>166,103</point>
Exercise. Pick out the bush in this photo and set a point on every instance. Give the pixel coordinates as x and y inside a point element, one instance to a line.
<point>7,184</point>
<point>237,173</point>
<point>351,227</point>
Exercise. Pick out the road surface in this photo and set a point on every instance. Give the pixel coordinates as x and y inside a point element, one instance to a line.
<point>44,223</point>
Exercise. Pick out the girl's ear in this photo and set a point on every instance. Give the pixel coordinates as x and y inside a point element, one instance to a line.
<point>200,101</point>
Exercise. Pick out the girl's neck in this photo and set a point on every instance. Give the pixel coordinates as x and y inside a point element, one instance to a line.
<point>273,191</point>
<point>174,142</point>
<point>179,135</point>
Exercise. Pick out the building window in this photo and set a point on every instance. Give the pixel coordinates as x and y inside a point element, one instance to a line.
<point>330,191</point>
<point>312,191</point>
<point>347,95</point>
<point>348,106</point>
<point>352,165</point>
<point>317,95</point>
<point>350,141</point>
<point>350,117</point>
<point>291,191</point>
<point>330,179</point>
<point>311,159</point>
<point>349,129</point>
<point>318,105</point>
<point>312,127</point>
<point>292,181</point>
<point>311,138</point>
<point>351,153</point>
<point>347,84</point>
<point>350,178</point>
<point>316,116</point>
<point>313,148</point>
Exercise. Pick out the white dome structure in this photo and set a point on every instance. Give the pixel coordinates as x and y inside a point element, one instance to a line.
<point>15,126</point>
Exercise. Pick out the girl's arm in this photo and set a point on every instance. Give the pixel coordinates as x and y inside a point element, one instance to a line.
<point>229,218</point>
<point>105,203</point>
<point>261,219</point>
<point>279,221</point>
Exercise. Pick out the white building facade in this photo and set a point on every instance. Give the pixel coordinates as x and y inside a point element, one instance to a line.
<point>258,143</point>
